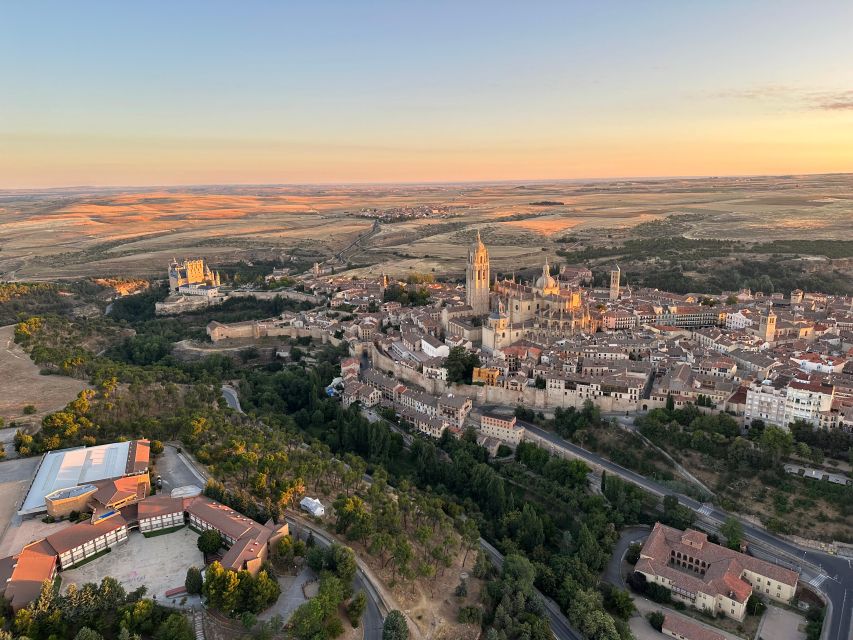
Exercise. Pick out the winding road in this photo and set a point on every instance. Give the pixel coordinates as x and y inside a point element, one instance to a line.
<point>373,617</point>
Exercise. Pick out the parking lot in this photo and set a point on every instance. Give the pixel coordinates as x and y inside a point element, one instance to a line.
<point>15,478</point>
<point>174,471</point>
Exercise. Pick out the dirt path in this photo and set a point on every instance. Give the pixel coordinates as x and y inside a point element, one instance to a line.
<point>21,384</point>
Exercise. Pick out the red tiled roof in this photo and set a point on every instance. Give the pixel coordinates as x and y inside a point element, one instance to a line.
<point>35,564</point>
<point>83,532</point>
<point>688,629</point>
<point>138,456</point>
<point>723,567</point>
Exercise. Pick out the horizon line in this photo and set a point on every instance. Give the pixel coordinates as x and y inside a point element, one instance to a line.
<point>346,183</point>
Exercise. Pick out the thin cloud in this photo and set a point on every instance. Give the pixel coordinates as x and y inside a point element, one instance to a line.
<point>836,101</point>
<point>793,97</point>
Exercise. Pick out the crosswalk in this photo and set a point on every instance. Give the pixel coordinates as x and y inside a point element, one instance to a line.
<point>818,580</point>
<point>705,510</point>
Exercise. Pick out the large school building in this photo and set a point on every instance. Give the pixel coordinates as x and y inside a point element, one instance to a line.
<point>118,505</point>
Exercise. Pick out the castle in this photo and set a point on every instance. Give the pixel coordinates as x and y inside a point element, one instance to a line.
<point>515,311</point>
<point>189,273</point>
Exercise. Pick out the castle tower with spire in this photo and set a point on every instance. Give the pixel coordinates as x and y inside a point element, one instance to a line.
<point>477,278</point>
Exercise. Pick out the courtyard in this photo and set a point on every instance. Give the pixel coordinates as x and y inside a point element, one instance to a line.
<point>159,563</point>
<point>782,624</point>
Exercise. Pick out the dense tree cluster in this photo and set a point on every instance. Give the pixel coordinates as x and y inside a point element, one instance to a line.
<point>235,592</point>
<point>408,296</point>
<point>317,619</point>
<point>94,611</point>
<point>460,365</point>
<point>718,438</point>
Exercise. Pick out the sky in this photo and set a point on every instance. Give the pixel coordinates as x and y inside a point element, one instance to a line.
<point>180,92</point>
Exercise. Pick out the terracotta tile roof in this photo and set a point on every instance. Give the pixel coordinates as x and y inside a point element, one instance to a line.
<point>112,491</point>
<point>231,523</point>
<point>245,549</point>
<point>723,567</point>
<point>138,456</point>
<point>688,629</point>
<point>159,506</point>
<point>35,564</point>
<point>83,532</point>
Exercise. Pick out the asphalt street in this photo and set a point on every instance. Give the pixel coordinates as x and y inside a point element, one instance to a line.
<point>373,619</point>
<point>831,575</point>
<point>231,398</point>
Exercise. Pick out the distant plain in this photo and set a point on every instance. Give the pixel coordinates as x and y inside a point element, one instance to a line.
<point>67,233</point>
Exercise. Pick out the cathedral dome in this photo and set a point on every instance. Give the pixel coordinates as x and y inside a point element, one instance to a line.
<point>546,282</point>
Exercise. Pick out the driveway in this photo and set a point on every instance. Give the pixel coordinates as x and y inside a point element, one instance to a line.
<point>630,535</point>
<point>176,471</point>
<point>291,595</point>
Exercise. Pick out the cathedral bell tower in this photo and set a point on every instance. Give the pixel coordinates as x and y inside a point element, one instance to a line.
<point>477,278</point>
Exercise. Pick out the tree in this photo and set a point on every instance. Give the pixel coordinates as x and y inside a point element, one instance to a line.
<point>470,536</point>
<point>754,606</point>
<point>210,541</point>
<point>670,403</point>
<point>356,607</point>
<point>249,620</point>
<point>88,634</point>
<point>194,581</point>
<point>482,566</point>
<point>633,554</point>
<point>175,627</point>
<point>732,530</point>
<point>460,365</point>
<point>342,561</point>
<point>395,627</point>
<point>518,573</point>
<point>618,601</point>
<point>655,619</point>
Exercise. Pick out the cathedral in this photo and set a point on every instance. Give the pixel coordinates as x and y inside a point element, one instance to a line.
<point>542,311</point>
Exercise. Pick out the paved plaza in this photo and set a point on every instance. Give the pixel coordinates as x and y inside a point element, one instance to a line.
<point>160,563</point>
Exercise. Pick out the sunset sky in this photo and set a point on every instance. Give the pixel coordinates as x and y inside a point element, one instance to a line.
<point>178,92</point>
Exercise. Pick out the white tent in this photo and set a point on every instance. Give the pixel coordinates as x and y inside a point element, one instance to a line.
<point>313,506</point>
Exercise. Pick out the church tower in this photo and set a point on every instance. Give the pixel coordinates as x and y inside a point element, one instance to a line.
<point>615,274</point>
<point>767,326</point>
<point>477,278</point>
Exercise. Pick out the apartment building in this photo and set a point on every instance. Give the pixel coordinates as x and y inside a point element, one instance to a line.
<point>503,428</point>
<point>454,409</point>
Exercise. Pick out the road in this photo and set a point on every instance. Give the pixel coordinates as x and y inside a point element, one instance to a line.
<point>628,536</point>
<point>560,626</point>
<point>231,398</point>
<point>831,575</point>
<point>373,618</point>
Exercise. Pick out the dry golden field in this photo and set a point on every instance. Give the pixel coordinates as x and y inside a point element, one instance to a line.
<point>129,233</point>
